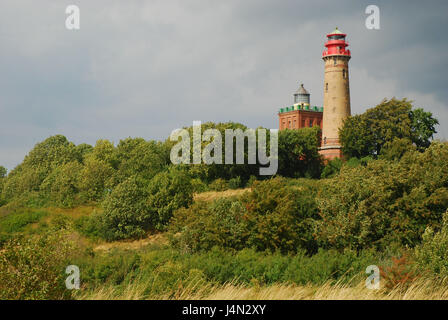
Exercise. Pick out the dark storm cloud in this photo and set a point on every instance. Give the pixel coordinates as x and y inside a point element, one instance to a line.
<point>144,68</point>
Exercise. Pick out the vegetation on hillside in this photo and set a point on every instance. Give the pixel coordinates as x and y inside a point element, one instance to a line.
<point>314,223</point>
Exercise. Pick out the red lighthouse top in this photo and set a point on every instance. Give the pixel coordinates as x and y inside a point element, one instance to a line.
<point>336,44</point>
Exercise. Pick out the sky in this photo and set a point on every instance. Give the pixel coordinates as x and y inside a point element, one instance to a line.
<point>144,68</point>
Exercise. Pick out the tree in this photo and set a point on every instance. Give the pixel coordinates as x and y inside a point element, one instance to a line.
<point>126,213</point>
<point>3,172</point>
<point>332,168</point>
<point>40,162</point>
<point>356,137</point>
<point>298,154</point>
<point>395,149</point>
<point>105,151</point>
<point>274,216</point>
<point>51,153</point>
<point>137,156</point>
<point>211,172</point>
<point>423,127</point>
<point>137,206</point>
<point>367,134</point>
<point>384,201</point>
<point>31,268</point>
<point>168,191</point>
<point>95,178</point>
<point>61,185</point>
<point>82,150</point>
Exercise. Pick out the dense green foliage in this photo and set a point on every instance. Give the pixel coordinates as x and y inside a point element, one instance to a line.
<point>56,172</point>
<point>332,168</point>
<point>3,172</point>
<point>34,268</point>
<point>432,254</point>
<point>298,153</point>
<point>126,214</point>
<point>392,186</point>
<point>137,206</point>
<point>275,216</point>
<point>163,269</point>
<point>366,134</point>
<point>385,202</point>
<point>16,221</point>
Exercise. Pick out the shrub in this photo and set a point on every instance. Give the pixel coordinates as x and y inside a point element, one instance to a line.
<point>2,182</point>
<point>164,270</point>
<point>385,202</point>
<point>377,128</point>
<point>168,191</point>
<point>45,157</point>
<point>16,221</point>
<point>400,273</point>
<point>211,172</point>
<point>235,183</point>
<point>432,253</point>
<point>34,268</point>
<point>298,154</point>
<point>274,216</point>
<point>137,156</point>
<point>218,185</point>
<point>332,168</point>
<point>61,185</point>
<point>198,185</point>
<point>137,206</point>
<point>3,172</point>
<point>396,149</point>
<point>90,226</point>
<point>205,225</point>
<point>280,216</point>
<point>96,178</point>
<point>251,181</point>
<point>126,212</point>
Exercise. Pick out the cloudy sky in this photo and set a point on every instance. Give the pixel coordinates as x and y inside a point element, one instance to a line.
<point>143,68</point>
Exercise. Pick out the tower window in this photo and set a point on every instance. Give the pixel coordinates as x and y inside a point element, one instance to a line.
<point>334,61</point>
<point>326,87</point>
<point>343,73</point>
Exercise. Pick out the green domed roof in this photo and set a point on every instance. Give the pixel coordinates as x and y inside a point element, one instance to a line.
<point>336,31</point>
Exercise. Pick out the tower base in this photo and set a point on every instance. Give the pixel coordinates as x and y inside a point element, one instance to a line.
<point>331,152</point>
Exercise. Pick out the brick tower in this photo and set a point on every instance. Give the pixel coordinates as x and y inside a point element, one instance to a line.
<point>336,93</point>
<point>301,114</point>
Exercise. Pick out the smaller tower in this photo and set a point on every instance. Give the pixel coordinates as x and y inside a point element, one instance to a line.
<point>302,96</point>
<point>301,114</point>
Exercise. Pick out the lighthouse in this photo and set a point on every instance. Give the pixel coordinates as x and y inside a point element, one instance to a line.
<point>336,93</point>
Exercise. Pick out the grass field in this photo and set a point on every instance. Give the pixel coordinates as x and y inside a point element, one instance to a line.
<point>419,290</point>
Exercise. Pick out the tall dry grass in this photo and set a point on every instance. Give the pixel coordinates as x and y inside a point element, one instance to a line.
<point>418,290</point>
